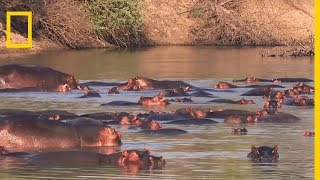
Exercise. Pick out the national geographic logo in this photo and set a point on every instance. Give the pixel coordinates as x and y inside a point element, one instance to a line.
<point>8,29</point>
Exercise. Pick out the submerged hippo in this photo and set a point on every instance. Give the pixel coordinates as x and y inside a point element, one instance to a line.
<point>264,154</point>
<point>14,76</point>
<point>226,85</point>
<point>252,80</point>
<point>262,91</point>
<point>150,125</point>
<point>126,158</point>
<point>143,159</point>
<point>153,101</point>
<point>143,83</point>
<point>174,92</point>
<point>164,131</point>
<point>292,80</point>
<point>42,134</point>
<point>228,101</point>
<point>309,134</point>
<point>88,94</point>
<point>241,131</point>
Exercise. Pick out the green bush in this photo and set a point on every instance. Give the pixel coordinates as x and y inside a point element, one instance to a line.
<point>117,21</point>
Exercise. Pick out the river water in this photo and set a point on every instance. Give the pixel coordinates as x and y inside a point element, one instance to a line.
<point>207,151</point>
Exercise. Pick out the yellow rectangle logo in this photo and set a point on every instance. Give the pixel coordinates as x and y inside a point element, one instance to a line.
<point>8,40</point>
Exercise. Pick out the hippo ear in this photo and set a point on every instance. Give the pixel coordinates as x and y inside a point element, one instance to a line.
<point>151,159</point>
<point>125,153</point>
<point>146,151</point>
<point>254,149</point>
<point>275,149</point>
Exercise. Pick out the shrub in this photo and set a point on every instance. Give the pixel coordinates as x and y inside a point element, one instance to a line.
<point>63,22</point>
<point>117,21</point>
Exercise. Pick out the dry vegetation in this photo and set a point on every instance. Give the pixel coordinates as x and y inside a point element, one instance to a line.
<point>90,23</point>
<point>229,22</point>
<point>252,22</point>
<point>62,22</point>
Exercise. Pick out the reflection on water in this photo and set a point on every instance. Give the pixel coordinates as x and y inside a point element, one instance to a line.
<point>207,151</point>
<point>172,62</point>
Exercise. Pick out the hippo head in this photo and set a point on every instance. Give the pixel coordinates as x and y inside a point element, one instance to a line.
<point>125,121</point>
<point>153,101</point>
<point>293,92</point>
<point>276,80</point>
<point>142,159</point>
<point>270,104</point>
<point>244,101</point>
<point>223,85</point>
<point>262,112</point>
<point>280,95</point>
<point>251,80</point>
<point>252,119</point>
<point>264,154</point>
<point>152,125</point>
<point>64,88</point>
<point>71,82</point>
<point>308,133</point>
<point>3,151</point>
<point>113,90</point>
<point>130,85</point>
<point>109,137</point>
<point>200,114</point>
<point>136,121</point>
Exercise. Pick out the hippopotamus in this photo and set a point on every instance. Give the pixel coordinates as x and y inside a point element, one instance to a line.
<point>191,113</point>
<point>272,103</point>
<point>240,131</point>
<point>228,101</point>
<point>42,134</point>
<point>153,101</point>
<point>49,114</point>
<point>304,88</point>
<point>193,121</point>
<point>150,125</point>
<point>120,103</point>
<point>279,117</point>
<point>228,112</point>
<point>264,91</point>
<point>77,158</point>
<point>174,92</point>
<point>226,85</point>
<point>99,83</point>
<point>252,80</point>
<point>297,101</point>
<point>240,119</point>
<point>292,80</point>
<point>264,154</point>
<point>126,158</point>
<point>101,115</point>
<point>264,116</point>
<point>164,131</point>
<point>309,134</point>
<point>181,100</point>
<point>14,76</point>
<point>88,94</point>
<point>143,83</point>
<point>5,152</point>
<point>113,90</point>
<point>201,93</point>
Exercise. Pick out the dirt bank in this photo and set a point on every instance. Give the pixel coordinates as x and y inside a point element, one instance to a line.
<point>192,22</point>
<point>232,22</point>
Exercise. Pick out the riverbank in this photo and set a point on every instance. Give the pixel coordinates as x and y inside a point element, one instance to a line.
<point>288,23</point>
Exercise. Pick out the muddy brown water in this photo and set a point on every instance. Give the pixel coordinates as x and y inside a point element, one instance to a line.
<point>207,151</point>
